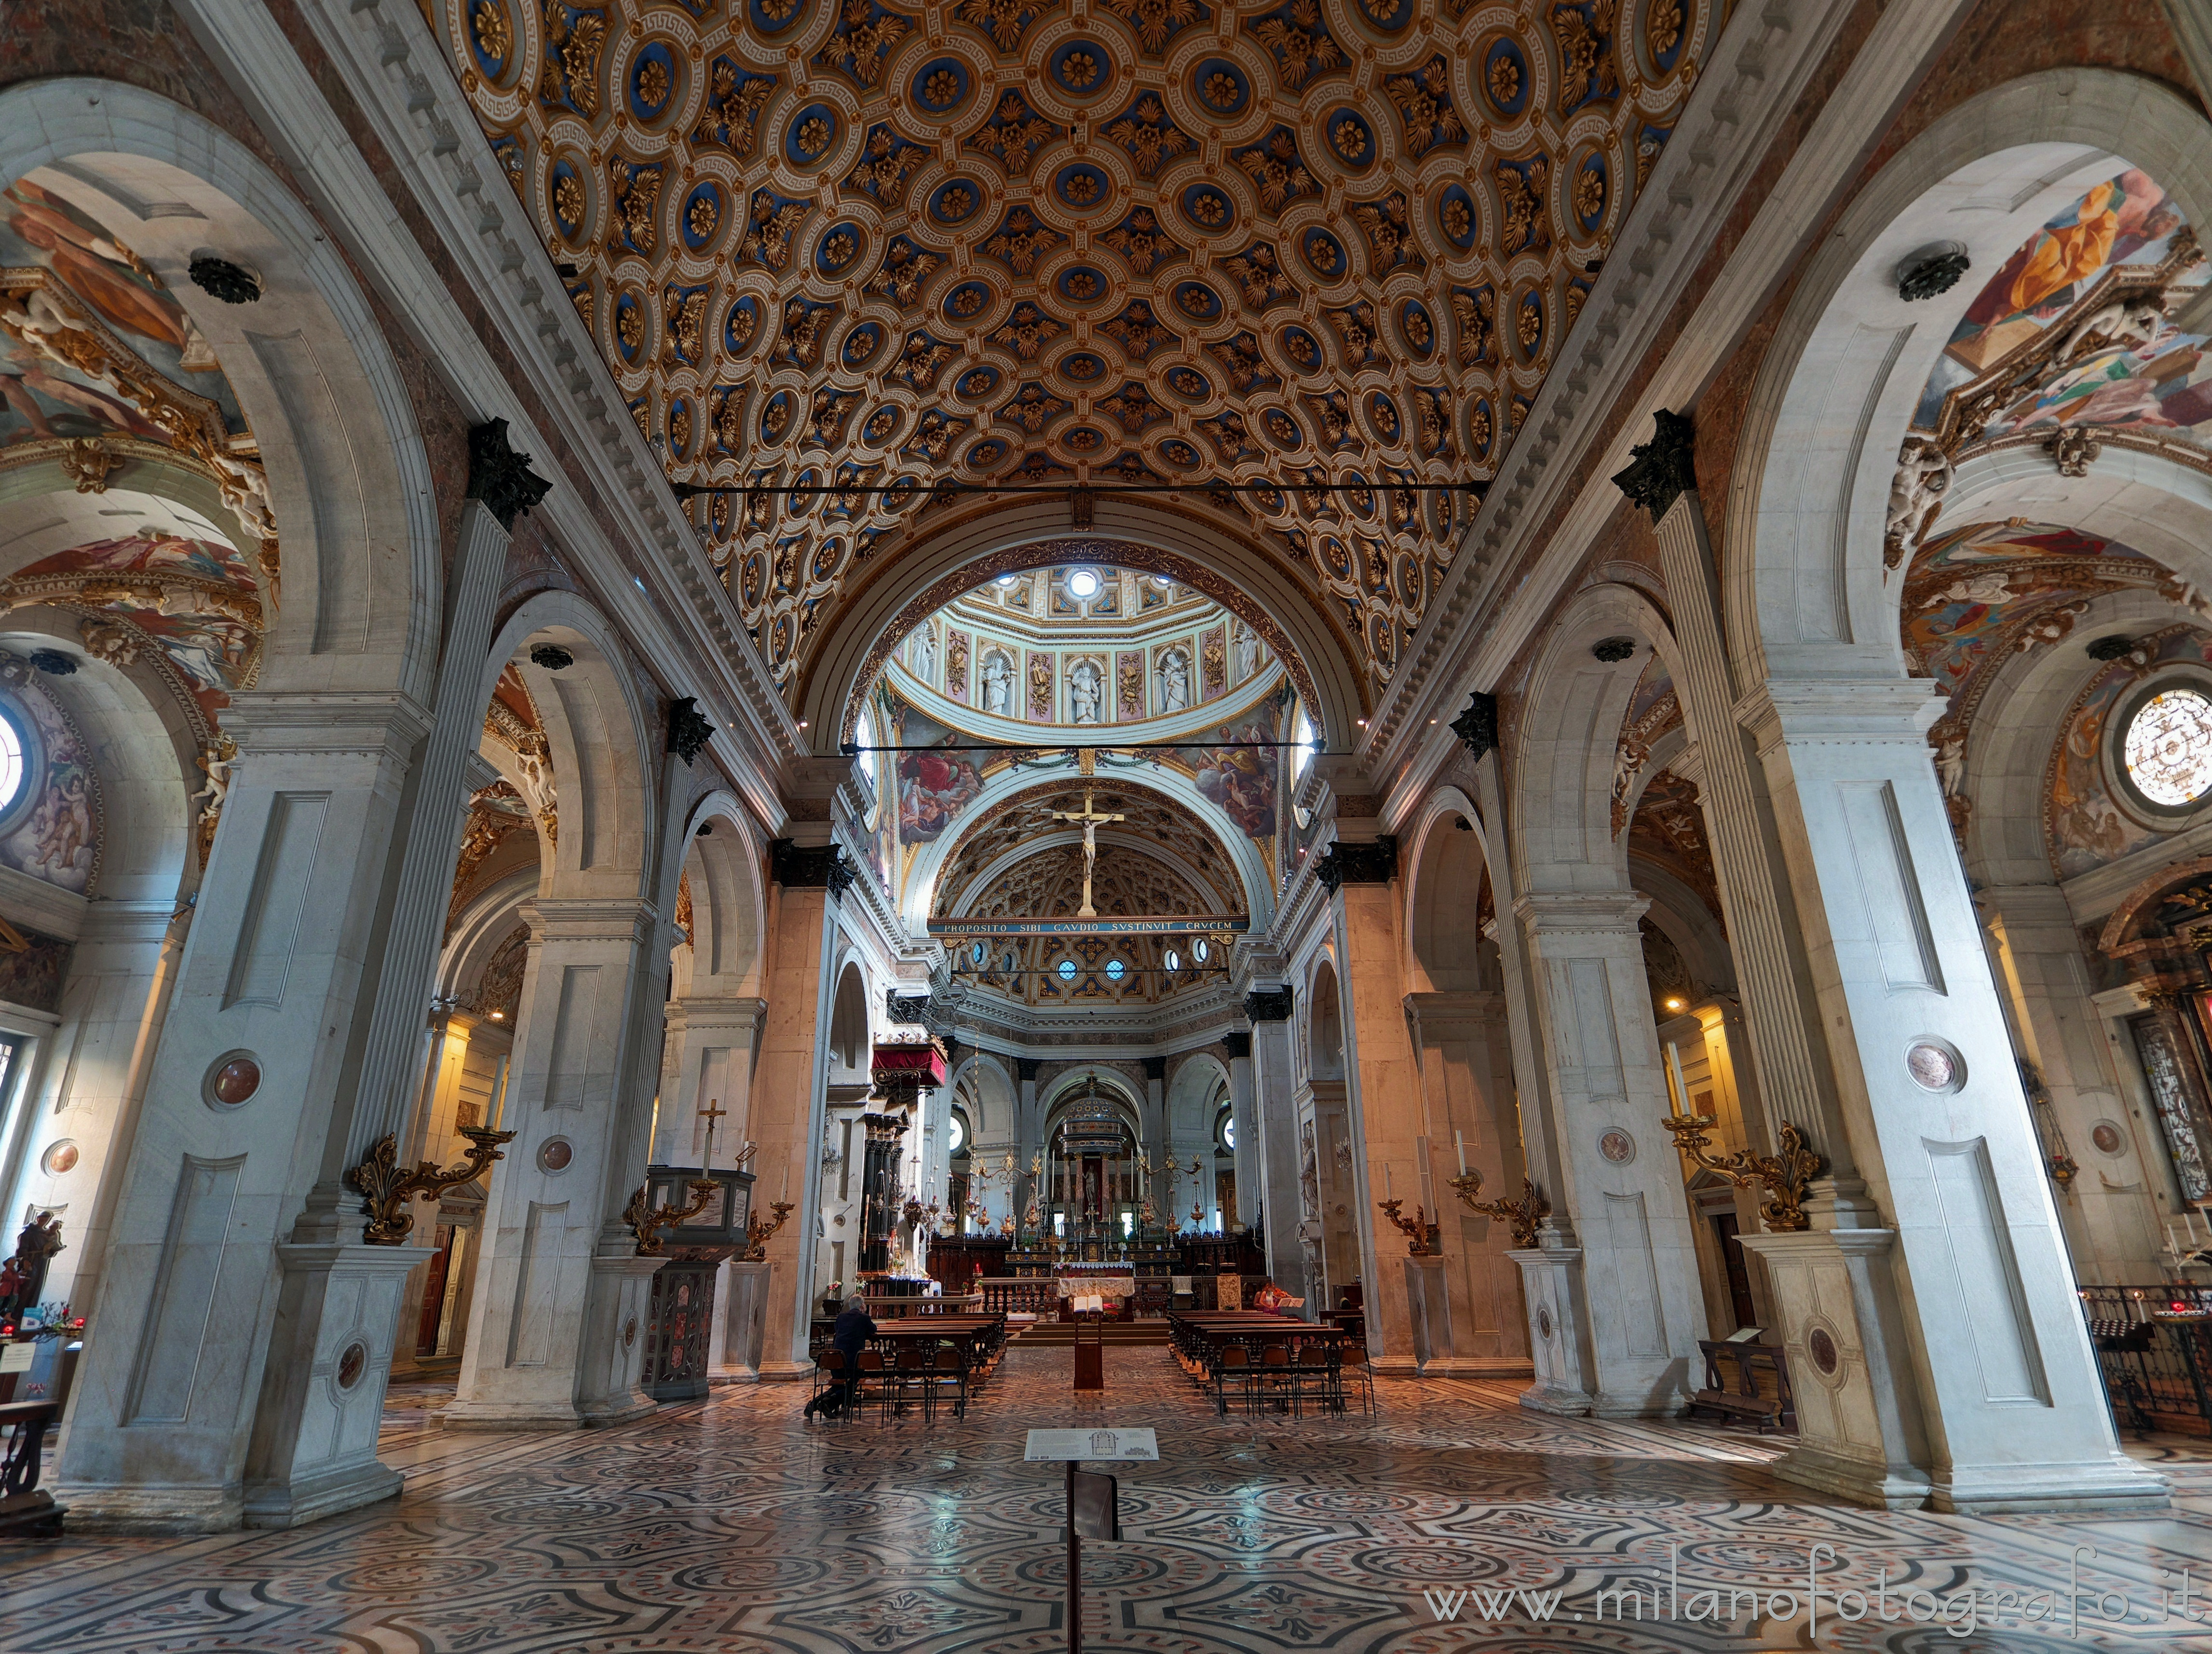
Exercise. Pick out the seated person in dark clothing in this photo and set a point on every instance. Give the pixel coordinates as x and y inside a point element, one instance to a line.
<point>850,1337</point>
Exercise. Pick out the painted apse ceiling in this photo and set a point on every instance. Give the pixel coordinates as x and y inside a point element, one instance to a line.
<point>1321,241</point>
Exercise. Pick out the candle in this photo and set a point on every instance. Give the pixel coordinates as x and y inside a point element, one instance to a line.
<point>2170,1245</point>
<point>1386,1180</point>
<point>786,1181</point>
<point>1461,1140</point>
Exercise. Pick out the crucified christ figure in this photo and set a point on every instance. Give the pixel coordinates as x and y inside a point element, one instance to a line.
<point>1090,818</point>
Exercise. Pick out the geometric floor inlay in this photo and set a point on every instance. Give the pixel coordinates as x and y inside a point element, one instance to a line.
<point>731,1525</point>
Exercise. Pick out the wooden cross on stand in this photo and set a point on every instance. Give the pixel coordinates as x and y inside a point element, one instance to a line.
<point>1090,819</point>
<point>710,1114</point>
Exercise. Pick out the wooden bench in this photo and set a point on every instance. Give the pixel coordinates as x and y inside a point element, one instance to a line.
<point>26,1507</point>
<point>1760,1389</point>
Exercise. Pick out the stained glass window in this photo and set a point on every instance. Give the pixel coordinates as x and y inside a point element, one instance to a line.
<point>11,763</point>
<point>1115,969</point>
<point>2169,747</point>
<point>1067,971</point>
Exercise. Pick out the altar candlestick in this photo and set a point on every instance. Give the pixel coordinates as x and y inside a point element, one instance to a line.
<point>1387,1190</point>
<point>786,1181</point>
<point>1460,1138</point>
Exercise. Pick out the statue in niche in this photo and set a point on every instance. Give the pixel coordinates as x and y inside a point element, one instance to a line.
<point>1175,681</point>
<point>1248,649</point>
<point>999,685</point>
<point>1085,691</point>
<point>924,655</point>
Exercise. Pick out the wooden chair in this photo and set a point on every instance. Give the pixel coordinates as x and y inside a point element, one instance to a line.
<point>1276,1381</point>
<point>874,1384</point>
<point>950,1373</point>
<point>910,1380</point>
<point>828,1369</point>
<point>1353,1368</point>
<point>1232,1365</point>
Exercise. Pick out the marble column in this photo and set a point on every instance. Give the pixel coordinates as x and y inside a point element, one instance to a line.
<point>430,1132</point>
<point>313,1445</point>
<point>1553,1291</point>
<point>531,1357</point>
<point>1959,1314</point>
<point>1622,1178</point>
<point>789,1088</point>
<point>1467,1095</point>
<point>1383,1093</point>
<point>1154,1128</point>
<point>1274,1114</point>
<point>1238,1042</point>
<point>241,1101</point>
<point>2111,1222</point>
<point>1030,1140</point>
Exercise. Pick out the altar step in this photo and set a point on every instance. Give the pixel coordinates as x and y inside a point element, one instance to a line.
<point>1059,1334</point>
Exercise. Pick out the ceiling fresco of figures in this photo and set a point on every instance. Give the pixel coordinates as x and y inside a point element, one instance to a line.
<point>1322,241</point>
<point>1085,646</point>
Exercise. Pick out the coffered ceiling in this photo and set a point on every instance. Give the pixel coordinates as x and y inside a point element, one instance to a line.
<point>1079,241</point>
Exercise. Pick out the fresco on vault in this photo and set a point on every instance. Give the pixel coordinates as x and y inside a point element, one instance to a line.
<point>933,787</point>
<point>2162,382</point>
<point>44,398</point>
<point>58,841</point>
<point>2086,826</point>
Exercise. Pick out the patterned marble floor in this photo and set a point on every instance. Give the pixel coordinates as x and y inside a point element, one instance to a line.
<point>731,1525</point>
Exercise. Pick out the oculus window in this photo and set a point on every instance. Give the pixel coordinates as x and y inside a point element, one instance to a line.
<point>2167,749</point>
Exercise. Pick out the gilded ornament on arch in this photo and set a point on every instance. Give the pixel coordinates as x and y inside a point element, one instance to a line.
<point>495,34</point>
<point>652,83</point>
<point>1154,20</point>
<point>1301,45</point>
<point>1663,26</point>
<point>1145,133</point>
<point>1423,104</point>
<point>87,462</point>
<point>1589,192</point>
<point>1275,168</point>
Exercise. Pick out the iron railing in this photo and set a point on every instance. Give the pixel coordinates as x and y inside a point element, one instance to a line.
<point>2155,1348</point>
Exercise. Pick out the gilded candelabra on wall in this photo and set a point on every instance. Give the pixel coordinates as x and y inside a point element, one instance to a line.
<point>388,1189</point>
<point>1423,1239</point>
<point>646,1222</point>
<point>758,1234</point>
<point>1524,1216</point>
<point>1784,1175</point>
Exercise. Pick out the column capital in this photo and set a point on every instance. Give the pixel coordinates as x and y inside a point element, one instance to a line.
<point>1156,1067</point>
<point>326,723</point>
<point>1025,1069</point>
<point>721,1011</point>
<point>1568,913</point>
<point>1269,1003</point>
<point>1664,469</point>
<point>1435,1011</point>
<point>1348,862</point>
<point>1851,711</point>
<point>804,866</point>
<point>589,919</point>
<point>1237,1042</point>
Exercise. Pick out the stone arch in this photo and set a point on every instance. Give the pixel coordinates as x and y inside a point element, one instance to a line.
<point>850,1047</point>
<point>989,1098</point>
<point>1448,953</point>
<point>727,900</point>
<point>1324,1021</point>
<point>349,479</point>
<point>600,739</point>
<point>1806,593</point>
<point>901,586</point>
<point>2016,725</point>
<point>1191,1094</point>
<point>1569,730</point>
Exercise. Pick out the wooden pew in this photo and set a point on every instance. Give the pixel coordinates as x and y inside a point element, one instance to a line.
<point>26,1507</point>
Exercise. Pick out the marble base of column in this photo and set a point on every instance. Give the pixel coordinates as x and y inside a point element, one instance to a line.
<point>1558,1330</point>
<point>1859,1435</point>
<point>1428,1308</point>
<point>313,1448</point>
<point>745,1325</point>
<point>617,1313</point>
